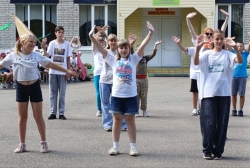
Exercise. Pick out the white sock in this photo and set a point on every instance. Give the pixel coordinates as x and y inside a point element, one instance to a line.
<point>116,144</point>
<point>133,145</point>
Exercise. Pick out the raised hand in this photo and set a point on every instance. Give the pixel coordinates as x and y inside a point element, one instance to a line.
<point>158,42</point>
<point>224,12</point>
<point>230,42</point>
<point>200,41</point>
<point>91,33</point>
<point>150,27</point>
<point>175,39</point>
<point>132,38</point>
<point>191,15</point>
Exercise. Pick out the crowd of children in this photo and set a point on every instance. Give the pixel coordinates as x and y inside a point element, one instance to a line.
<point>217,72</point>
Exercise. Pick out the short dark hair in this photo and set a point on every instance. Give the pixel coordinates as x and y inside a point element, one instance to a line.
<point>240,42</point>
<point>58,28</point>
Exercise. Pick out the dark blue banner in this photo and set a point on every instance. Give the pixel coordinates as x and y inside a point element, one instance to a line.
<point>95,1</point>
<point>232,1</point>
<point>34,1</point>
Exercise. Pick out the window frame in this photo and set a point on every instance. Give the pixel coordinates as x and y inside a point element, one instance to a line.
<point>93,20</point>
<point>230,18</point>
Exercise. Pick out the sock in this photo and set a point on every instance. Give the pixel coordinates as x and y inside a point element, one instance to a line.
<point>133,145</point>
<point>43,141</point>
<point>116,144</point>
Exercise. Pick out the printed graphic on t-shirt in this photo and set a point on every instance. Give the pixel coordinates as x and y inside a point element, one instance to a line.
<point>124,73</point>
<point>59,55</point>
<point>143,60</point>
<point>216,68</point>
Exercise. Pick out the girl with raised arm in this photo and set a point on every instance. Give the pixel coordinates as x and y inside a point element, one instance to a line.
<point>124,92</point>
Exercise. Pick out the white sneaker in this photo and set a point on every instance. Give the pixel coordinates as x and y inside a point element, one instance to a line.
<point>194,112</point>
<point>133,151</point>
<point>1,86</point>
<point>44,147</point>
<point>114,150</point>
<point>6,85</point>
<point>145,113</point>
<point>137,115</point>
<point>98,114</point>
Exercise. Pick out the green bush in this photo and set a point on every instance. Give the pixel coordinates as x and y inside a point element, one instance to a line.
<point>87,65</point>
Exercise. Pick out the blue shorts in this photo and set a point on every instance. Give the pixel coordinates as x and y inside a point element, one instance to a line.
<point>32,92</point>
<point>239,86</point>
<point>125,106</point>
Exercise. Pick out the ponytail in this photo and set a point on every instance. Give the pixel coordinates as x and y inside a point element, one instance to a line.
<point>18,47</point>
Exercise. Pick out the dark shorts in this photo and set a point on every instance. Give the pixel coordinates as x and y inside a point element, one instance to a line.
<point>194,87</point>
<point>125,106</point>
<point>4,70</point>
<point>32,92</point>
<point>239,86</point>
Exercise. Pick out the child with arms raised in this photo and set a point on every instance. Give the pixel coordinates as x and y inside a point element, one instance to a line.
<point>124,91</point>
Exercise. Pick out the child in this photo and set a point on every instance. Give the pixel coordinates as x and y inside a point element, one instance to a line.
<point>124,93</point>
<point>74,66</point>
<point>142,80</point>
<point>216,67</point>
<point>26,75</point>
<point>239,80</point>
<point>75,43</point>
<point>193,73</point>
<point>60,52</point>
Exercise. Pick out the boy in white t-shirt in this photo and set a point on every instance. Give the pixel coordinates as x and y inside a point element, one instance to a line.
<point>60,52</point>
<point>124,91</point>
<point>216,74</point>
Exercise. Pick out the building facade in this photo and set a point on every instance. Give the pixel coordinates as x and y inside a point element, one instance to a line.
<point>124,17</point>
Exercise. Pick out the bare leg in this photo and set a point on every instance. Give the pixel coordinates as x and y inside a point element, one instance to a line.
<point>242,101</point>
<point>116,128</point>
<point>130,119</point>
<point>195,100</point>
<point>38,116</point>
<point>234,100</point>
<point>22,119</point>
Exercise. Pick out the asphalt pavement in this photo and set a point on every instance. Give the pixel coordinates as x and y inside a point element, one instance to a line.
<point>170,137</point>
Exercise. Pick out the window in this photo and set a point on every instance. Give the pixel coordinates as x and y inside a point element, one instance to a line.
<point>235,23</point>
<point>99,15</point>
<point>40,19</point>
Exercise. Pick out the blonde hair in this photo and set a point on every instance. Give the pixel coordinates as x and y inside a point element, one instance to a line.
<point>122,43</point>
<point>111,37</point>
<point>23,39</point>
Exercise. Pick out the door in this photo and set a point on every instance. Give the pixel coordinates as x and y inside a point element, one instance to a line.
<point>168,53</point>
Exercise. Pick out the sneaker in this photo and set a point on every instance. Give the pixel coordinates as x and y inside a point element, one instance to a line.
<point>2,86</point>
<point>207,156</point>
<point>137,115</point>
<point>21,148</point>
<point>199,112</point>
<point>194,112</point>
<point>217,156</point>
<point>6,85</point>
<point>62,117</point>
<point>44,147</point>
<point>98,114</point>
<point>240,113</point>
<point>124,129</point>
<point>234,113</point>
<point>145,113</point>
<point>108,129</point>
<point>52,117</point>
<point>133,151</point>
<point>114,150</point>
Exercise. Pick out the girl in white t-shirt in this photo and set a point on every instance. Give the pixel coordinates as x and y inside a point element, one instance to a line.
<point>26,77</point>
<point>124,91</point>
<point>216,68</point>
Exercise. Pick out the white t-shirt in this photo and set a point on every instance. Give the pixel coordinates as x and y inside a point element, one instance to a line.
<point>124,75</point>
<point>59,54</point>
<point>98,61</point>
<point>193,68</point>
<point>216,73</point>
<point>25,66</point>
<point>73,61</point>
<point>107,72</point>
